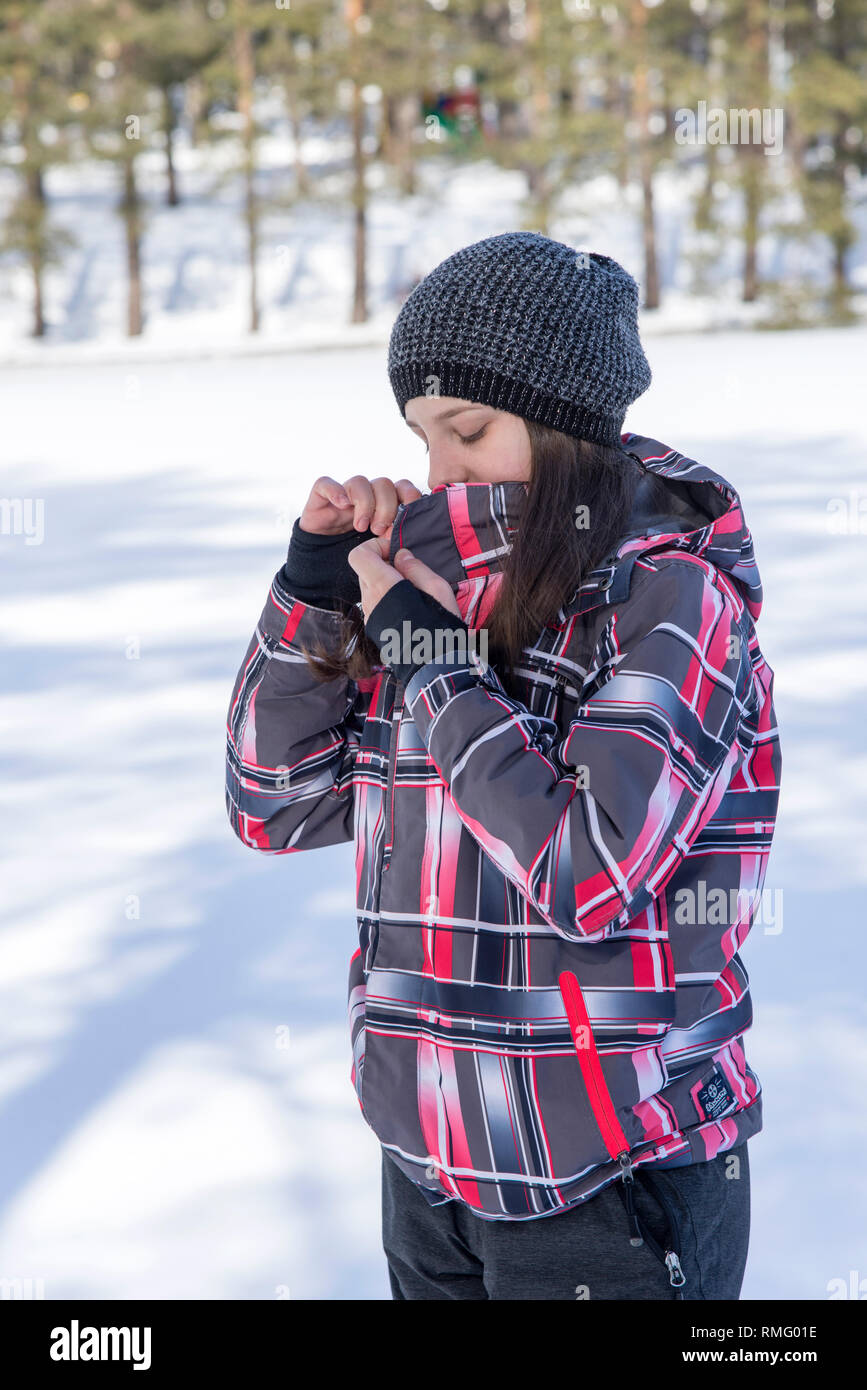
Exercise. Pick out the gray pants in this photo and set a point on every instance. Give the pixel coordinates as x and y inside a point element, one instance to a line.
<point>583,1252</point>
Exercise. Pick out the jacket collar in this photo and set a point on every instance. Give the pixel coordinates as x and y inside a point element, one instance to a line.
<point>461,530</point>
<point>465,530</point>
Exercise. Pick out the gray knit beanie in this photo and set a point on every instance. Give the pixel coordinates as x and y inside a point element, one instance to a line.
<point>528,325</point>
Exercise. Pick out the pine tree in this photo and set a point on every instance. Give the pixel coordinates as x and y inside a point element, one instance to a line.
<point>829,101</point>
<point>288,58</point>
<point>259,36</point>
<point>119,118</point>
<point>33,103</point>
<point>179,38</point>
<point>640,38</point>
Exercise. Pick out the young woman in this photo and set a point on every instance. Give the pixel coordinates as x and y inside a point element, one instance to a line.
<point>535,699</point>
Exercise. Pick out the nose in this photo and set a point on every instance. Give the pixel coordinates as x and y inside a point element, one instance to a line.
<point>445,470</point>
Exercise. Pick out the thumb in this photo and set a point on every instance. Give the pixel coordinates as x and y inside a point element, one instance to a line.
<point>420,574</point>
<point>426,579</point>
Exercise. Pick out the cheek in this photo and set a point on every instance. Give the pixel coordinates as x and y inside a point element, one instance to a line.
<point>513,452</point>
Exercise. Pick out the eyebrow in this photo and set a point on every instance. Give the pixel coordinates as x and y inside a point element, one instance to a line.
<point>447,414</point>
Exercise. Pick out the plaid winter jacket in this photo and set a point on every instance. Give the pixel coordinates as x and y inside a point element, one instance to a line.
<point>554,875</point>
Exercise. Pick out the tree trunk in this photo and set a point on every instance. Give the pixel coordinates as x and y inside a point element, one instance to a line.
<point>246,73</point>
<point>406,116</point>
<point>302,178</point>
<point>24,101</point>
<point>385,149</point>
<point>537,118</point>
<point>841,239</point>
<point>131,209</point>
<point>751,154</point>
<point>757,86</point>
<point>509,119</point>
<point>641,113</point>
<point>648,222</point>
<point>354,10</point>
<point>359,200</point>
<point>38,330</point>
<point>172,198</point>
<point>841,284</point>
<point>36,254</point>
<point>194,103</point>
<point>617,101</point>
<point>845,235</point>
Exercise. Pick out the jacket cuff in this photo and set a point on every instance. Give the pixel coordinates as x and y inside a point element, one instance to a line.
<point>317,568</point>
<point>410,627</point>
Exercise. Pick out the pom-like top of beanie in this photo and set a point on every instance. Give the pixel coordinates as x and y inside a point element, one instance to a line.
<point>529,325</point>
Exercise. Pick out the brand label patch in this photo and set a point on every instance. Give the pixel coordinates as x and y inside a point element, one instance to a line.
<point>716,1096</point>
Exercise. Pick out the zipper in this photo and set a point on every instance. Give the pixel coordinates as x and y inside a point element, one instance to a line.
<point>397,710</point>
<point>611,1129</point>
<point>560,683</point>
<point>591,1069</point>
<point>669,1256</point>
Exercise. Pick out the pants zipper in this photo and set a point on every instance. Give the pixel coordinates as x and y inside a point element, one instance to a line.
<point>670,1254</point>
<point>611,1129</point>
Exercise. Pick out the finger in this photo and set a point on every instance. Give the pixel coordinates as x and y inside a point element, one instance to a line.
<point>362,495</point>
<point>329,490</point>
<point>366,558</point>
<point>407,491</point>
<point>426,579</point>
<point>386,496</point>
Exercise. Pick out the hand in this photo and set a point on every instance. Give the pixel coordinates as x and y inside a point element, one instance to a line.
<point>376,576</point>
<point>332,508</point>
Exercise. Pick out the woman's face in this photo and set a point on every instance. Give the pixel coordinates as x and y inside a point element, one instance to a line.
<point>469,443</point>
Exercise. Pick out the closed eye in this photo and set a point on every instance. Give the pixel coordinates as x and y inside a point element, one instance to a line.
<point>464,438</point>
<point>471,438</point>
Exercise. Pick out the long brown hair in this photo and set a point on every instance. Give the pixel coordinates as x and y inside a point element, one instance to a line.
<point>549,558</point>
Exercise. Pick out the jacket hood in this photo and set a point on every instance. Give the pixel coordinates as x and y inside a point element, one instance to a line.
<point>464,531</point>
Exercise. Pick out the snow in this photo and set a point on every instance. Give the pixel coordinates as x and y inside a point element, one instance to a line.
<point>178,1113</point>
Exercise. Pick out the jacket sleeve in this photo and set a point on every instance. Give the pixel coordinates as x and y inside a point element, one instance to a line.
<point>292,740</point>
<point>646,759</point>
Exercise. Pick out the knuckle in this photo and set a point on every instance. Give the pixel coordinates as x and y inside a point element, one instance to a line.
<point>357,488</point>
<point>386,497</point>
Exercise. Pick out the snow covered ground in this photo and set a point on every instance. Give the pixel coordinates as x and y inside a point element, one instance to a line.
<point>177,1115</point>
